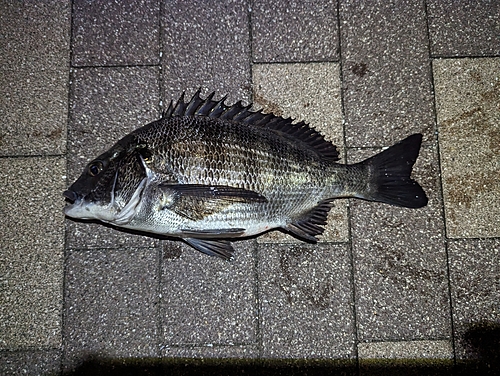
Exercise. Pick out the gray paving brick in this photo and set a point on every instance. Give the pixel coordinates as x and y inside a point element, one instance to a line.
<point>400,263</point>
<point>207,300</point>
<point>410,350</point>
<point>206,44</point>
<point>464,28</point>
<point>427,357</point>
<point>115,33</point>
<point>111,304</point>
<point>34,68</point>
<point>30,362</point>
<point>305,297</point>
<point>474,275</point>
<point>106,104</point>
<point>294,31</point>
<point>386,71</point>
<point>227,353</point>
<point>31,251</point>
<point>467,97</point>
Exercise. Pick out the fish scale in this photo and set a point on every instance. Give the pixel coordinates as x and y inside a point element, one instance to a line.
<point>209,174</point>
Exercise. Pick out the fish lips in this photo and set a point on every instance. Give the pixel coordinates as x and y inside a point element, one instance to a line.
<point>75,201</point>
<point>70,195</point>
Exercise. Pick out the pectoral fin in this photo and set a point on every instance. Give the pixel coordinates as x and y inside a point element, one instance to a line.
<point>196,201</point>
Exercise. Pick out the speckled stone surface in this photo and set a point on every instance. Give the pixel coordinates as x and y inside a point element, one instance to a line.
<point>401,283</point>
<point>464,28</point>
<point>106,104</point>
<point>474,274</point>
<point>34,70</point>
<point>425,357</point>
<point>111,304</point>
<point>385,284</point>
<point>468,113</point>
<point>305,297</point>
<point>309,92</point>
<point>31,252</point>
<point>30,362</point>
<point>386,71</point>
<point>406,350</point>
<point>115,32</point>
<point>207,300</point>
<point>207,45</point>
<point>294,31</point>
<point>231,352</point>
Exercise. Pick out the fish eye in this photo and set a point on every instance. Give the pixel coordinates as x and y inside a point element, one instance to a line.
<point>95,168</point>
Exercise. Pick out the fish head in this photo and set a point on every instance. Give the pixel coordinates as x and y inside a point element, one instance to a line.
<point>111,186</point>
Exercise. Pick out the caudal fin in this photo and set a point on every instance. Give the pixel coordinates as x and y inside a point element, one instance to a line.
<point>390,175</point>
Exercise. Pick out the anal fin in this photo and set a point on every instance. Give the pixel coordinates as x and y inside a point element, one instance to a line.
<point>311,223</point>
<point>212,247</point>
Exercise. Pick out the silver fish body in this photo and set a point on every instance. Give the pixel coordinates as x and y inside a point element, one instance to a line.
<point>209,173</point>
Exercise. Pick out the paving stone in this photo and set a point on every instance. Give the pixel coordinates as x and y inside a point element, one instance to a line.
<point>207,45</point>
<point>34,68</point>
<point>468,113</point>
<point>294,31</point>
<point>107,104</point>
<point>212,352</point>
<point>464,28</point>
<point>386,72</point>
<point>305,297</point>
<point>31,251</point>
<point>30,362</point>
<point>400,263</point>
<point>115,33</point>
<point>434,349</point>
<point>474,277</point>
<point>111,304</point>
<point>309,92</point>
<point>207,300</point>
<point>428,357</point>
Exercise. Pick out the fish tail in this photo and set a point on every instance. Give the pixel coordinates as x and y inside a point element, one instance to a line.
<point>390,171</point>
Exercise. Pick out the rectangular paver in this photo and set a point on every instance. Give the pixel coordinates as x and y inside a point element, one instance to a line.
<point>305,297</point>
<point>31,251</point>
<point>30,362</point>
<point>464,28</point>
<point>386,71</point>
<point>207,45</point>
<point>34,72</point>
<point>468,113</point>
<point>115,33</point>
<point>111,304</point>
<point>474,275</point>
<point>207,300</point>
<point>410,350</point>
<point>294,31</point>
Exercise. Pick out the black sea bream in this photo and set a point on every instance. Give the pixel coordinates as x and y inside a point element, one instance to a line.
<point>209,173</point>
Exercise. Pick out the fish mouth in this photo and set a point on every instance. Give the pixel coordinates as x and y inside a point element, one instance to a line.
<point>73,201</point>
<point>70,195</point>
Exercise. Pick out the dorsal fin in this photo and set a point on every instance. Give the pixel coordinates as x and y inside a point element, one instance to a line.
<point>208,107</point>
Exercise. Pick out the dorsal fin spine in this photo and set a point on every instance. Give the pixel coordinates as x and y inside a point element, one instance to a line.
<point>299,132</point>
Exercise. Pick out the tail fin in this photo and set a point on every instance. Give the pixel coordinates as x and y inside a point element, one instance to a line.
<point>390,175</point>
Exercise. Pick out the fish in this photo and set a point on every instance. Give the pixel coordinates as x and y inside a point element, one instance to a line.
<point>209,173</point>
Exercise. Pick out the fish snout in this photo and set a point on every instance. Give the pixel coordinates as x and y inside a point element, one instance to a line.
<point>70,195</point>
